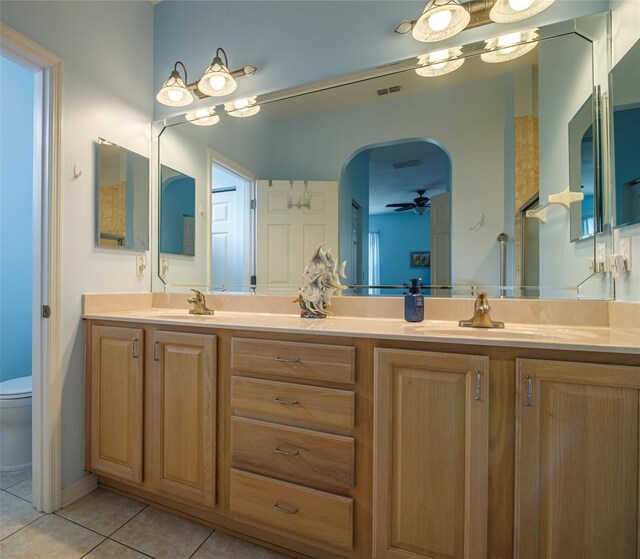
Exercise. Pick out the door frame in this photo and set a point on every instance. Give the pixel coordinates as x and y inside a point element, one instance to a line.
<point>47,366</point>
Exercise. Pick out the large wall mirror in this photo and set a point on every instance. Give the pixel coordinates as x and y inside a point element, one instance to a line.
<point>122,198</point>
<point>401,174</point>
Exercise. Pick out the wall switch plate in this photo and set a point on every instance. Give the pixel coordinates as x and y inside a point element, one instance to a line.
<point>141,265</point>
<point>164,267</point>
<point>625,250</point>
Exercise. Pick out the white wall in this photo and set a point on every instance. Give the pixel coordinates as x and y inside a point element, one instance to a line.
<point>107,52</point>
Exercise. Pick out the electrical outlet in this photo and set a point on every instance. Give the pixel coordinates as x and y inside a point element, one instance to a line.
<point>141,265</point>
<point>601,259</point>
<point>625,250</point>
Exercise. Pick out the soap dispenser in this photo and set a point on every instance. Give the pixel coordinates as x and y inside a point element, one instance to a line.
<point>414,302</point>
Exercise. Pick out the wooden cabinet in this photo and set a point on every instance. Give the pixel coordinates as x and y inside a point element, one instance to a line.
<point>577,460</point>
<point>175,393</point>
<point>116,402</point>
<point>430,454</point>
<point>182,410</point>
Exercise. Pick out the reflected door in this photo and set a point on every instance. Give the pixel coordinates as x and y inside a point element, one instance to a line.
<point>288,232</point>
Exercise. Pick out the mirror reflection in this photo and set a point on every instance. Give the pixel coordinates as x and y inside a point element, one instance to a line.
<point>177,212</point>
<point>439,166</point>
<point>625,85</point>
<point>122,198</point>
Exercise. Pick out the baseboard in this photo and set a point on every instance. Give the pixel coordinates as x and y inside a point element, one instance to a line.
<point>79,489</point>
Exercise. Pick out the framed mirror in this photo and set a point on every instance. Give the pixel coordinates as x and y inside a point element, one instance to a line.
<point>122,198</point>
<point>177,212</point>
<point>439,166</point>
<point>625,101</point>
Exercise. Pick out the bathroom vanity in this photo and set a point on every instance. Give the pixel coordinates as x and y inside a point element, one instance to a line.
<point>371,437</point>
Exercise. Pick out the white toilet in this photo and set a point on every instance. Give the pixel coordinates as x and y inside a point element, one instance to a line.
<point>15,424</point>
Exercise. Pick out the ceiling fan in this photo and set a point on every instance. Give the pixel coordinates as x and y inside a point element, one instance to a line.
<point>420,204</point>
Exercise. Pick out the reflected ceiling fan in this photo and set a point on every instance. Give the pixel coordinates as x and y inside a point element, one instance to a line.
<point>420,204</point>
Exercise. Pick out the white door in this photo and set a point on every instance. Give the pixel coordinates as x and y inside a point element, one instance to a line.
<point>287,236</point>
<point>440,215</point>
<point>224,240</point>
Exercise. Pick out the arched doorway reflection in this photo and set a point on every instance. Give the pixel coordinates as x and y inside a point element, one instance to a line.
<point>398,223</point>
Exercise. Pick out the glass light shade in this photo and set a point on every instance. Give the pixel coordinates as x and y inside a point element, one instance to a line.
<point>203,117</point>
<point>440,62</point>
<point>440,20</point>
<point>242,107</point>
<point>174,92</point>
<point>508,47</point>
<point>217,80</point>
<point>508,11</point>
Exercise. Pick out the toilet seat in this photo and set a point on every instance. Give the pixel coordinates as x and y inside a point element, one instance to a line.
<point>16,388</point>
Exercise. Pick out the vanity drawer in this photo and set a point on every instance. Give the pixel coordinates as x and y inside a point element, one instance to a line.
<point>329,363</point>
<point>298,455</point>
<point>314,405</point>
<point>292,508</point>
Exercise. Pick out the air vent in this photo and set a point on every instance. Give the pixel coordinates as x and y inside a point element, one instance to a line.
<point>387,90</point>
<point>405,164</point>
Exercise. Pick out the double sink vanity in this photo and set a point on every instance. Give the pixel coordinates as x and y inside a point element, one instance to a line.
<point>362,435</point>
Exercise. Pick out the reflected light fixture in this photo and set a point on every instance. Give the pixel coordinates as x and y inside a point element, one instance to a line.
<point>510,46</point>
<point>440,20</point>
<point>242,107</point>
<point>216,81</point>
<point>440,62</point>
<point>203,117</point>
<point>174,91</point>
<point>508,11</point>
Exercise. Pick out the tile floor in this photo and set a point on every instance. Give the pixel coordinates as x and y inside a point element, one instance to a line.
<point>106,525</point>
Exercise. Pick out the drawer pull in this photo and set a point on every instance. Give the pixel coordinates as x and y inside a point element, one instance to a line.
<point>286,402</point>
<point>282,509</point>
<point>287,360</point>
<point>278,450</point>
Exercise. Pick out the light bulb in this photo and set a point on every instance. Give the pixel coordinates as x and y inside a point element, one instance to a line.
<point>202,113</point>
<point>217,82</point>
<point>439,58</point>
<point>440,20</point>
<point>508,43</point>
<point>242,103</point>
<point>175,95</point>
<point>519,5</point>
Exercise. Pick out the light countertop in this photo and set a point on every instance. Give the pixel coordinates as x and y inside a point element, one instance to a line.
<point>544,336</point>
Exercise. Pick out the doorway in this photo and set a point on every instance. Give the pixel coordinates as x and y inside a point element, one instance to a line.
<point>231,239</point>
<point>45,70</point>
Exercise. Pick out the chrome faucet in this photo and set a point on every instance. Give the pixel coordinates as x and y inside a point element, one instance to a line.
<point>481,317</point>
<point>199,304</point>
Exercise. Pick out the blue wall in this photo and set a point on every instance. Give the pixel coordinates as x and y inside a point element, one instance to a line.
<point>16,202</point>
<point>400,234</point>
<point>626,130</point>
<point>178,201</point>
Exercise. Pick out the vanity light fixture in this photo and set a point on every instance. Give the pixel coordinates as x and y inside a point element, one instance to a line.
<point>174,92</point>
<point>242,107</point>
<point>508,11</point>
<point>203,117</point>
<point>440,20</point>
<point>216,82</point>
<point>510,46</point>
<point>440,62</point>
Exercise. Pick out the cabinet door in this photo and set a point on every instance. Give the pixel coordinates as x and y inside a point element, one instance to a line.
<point>576,460</point>
<point>116,402</point>
<point>430,455</point>
<point>182,410</point>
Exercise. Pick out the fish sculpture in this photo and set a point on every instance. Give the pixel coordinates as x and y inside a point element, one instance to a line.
<point>321,280</point>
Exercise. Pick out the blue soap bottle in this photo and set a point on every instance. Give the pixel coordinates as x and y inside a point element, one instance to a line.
<point>414,302</point>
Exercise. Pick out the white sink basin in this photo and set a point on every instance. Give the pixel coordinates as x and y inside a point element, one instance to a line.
<point>519,331</point>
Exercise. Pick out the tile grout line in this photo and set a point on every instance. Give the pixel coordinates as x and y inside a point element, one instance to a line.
<point>19,497</point>
<point>42,514</point>
<point>78,524</point>
<point>131,548</point>
<point>94,547</point>
<point>145,507</point>
<point>203,542</point>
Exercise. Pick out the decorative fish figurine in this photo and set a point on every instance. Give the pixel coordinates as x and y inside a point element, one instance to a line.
<point>321,280</point>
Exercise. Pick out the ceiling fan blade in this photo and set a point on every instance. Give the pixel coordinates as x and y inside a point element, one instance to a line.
<point>405,205</point>
<point>408,208</point>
